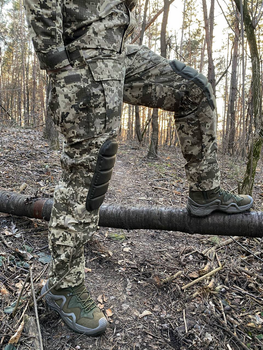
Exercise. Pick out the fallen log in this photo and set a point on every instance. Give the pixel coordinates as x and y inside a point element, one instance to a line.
<point>248,224</point>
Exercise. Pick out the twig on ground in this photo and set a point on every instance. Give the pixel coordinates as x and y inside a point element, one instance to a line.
<point>249,251</point>
<point>203,277</point>
<point>22,316</point>
<point>37,278</point>
<point>171,278</point>
<point>36,312</point>
<point>20,294</point>
<point>250,273</point>
<point>254,297</point>
<point>161,188</point>
<point>223,312</point>
<point>185,323</point>
<point>223,326</point>
<point>221,244</point>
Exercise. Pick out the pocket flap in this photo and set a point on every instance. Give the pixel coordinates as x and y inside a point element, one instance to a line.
<point>107,69</point>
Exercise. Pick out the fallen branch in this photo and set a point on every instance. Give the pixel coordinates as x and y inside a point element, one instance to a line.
<point>20,294</point>
<point>202,277</point>
<point>248,224</point>
<point>220,245</point>
<point>36,312</point>
<point>171,278</point>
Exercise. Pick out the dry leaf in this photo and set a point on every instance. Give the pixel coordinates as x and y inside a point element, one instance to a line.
<point>194,274</point>
<point>211,284</point>
<point>109,312</point>
<point>145,313</point>
<point>4,291</point>
<point>15,338</point>
<point>205,270</point>
<point>157,280</point>
<point>100,300</point>
<point>22,187</point>
<point>127,249</point>
<point>252,325</point>
<point>177,193</point>
<point>19,286</point>
<point>25,255</point>
<point>8,233</point>
<point>42,282</point>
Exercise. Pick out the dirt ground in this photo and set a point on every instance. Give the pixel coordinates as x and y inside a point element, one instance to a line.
<point>138,277</point>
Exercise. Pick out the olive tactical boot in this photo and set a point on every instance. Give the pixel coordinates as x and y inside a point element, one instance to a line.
<point>204,203</point>
<point>76,309</point>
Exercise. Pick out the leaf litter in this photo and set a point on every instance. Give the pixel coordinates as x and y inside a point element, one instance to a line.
<point>159,289</point>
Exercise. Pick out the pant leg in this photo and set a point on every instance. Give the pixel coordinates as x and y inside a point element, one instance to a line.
<point>156,82</point>
<point>87,105</point>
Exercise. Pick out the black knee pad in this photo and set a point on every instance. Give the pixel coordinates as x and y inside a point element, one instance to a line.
<point>199,79</point>
<point>102,175</point>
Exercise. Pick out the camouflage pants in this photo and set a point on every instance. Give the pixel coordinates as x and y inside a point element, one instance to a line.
<point>87,103</point>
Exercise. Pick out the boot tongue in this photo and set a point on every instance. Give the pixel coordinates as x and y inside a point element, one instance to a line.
<point>82,291</point>
<point>83,294</point>
<point>213,191</point>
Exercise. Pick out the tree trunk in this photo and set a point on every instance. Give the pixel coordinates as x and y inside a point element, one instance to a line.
<point>209,29</point>
<point>248,224</point>
<point>152,20</point>
<point>153,149</point>
<point>137,108</point>
<point>231,112</point>
<point>257,142</point>
<point>166,8</point>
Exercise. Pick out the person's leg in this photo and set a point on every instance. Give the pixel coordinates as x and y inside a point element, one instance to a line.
<point>87,105</point>
<point>156,82</point>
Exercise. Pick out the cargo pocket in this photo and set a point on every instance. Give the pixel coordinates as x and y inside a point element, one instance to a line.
<point>110,73</point>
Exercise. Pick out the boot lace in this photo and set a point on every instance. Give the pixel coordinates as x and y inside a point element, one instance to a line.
<point>228,195</point>
<point>86,301</point>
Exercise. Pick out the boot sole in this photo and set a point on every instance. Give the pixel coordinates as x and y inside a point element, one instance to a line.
<point>200,210</point>
<point>70,318</point>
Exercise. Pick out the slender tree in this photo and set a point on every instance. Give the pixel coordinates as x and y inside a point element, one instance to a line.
<point>231,111</point>
<point>153,149</point>
<point>257,141</point>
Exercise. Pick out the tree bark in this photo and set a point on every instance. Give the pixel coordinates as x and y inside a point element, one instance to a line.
<point>209,29</point>
<point>153,148</point>
<point>231,112</point>
<point>137,108</point>
<point>257,142</point>
<point>249,224</point>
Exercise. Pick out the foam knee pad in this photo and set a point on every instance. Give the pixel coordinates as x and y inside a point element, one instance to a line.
<point>102,175</point>
<point>199,79</point>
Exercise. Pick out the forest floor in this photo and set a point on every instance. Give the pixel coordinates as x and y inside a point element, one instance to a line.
<point>136,276</point>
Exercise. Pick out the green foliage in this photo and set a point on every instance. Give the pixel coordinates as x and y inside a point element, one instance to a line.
<point>117,236</point>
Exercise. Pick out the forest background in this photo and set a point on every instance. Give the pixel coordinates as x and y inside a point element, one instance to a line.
<point>146,281</point>
<point>221,39</point>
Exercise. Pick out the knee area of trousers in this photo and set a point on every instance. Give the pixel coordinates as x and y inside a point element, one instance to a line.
<point>102,175</point>
<point>199,79</point>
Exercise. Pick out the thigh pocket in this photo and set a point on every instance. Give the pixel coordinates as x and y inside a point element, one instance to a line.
<point>110,73</point>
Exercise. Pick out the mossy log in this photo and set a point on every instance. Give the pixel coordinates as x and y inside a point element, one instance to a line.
<point>248,224</point>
